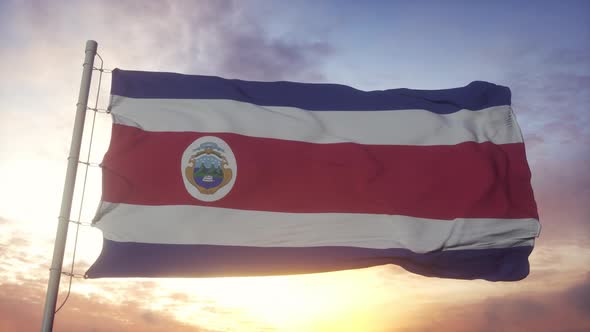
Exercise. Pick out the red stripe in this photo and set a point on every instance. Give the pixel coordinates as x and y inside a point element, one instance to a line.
<point>468,180</point>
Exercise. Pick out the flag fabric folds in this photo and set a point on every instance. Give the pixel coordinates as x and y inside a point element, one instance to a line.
<point>206,176</point>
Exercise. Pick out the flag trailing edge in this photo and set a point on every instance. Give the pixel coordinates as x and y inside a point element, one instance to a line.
<point>207,176</point>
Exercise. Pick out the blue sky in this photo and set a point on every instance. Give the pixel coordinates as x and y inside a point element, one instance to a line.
<point>540,49</point>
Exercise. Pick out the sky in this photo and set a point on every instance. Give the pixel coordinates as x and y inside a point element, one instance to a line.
<point>540,49</point>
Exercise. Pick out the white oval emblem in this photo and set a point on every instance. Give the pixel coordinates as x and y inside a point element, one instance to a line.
<point>208,168</point>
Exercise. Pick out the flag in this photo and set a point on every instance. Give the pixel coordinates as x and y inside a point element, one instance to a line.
<point>207,176</point>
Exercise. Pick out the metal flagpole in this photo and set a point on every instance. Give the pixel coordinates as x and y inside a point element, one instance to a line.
<point>68,193</point>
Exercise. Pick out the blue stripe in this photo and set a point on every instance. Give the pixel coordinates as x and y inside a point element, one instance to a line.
<point>130,259</point>
<point>316,97</point>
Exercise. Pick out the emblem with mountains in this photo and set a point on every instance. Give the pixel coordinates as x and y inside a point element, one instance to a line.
<point>209,166</point>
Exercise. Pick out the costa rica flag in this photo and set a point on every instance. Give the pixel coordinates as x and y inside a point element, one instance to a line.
<point>207,176</point>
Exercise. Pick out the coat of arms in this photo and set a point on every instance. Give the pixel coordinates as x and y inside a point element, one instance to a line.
<point>208,166</point>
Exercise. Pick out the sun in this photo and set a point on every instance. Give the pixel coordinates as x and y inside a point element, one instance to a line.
<point>335,301</point>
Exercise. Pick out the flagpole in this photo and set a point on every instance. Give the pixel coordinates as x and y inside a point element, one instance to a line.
<point>68,192</point>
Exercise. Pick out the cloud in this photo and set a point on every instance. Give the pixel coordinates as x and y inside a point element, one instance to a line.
<point>579,297</point>
<point>21,308</point>
<point>216,38</point>
<point>211,37</point>
<point>557,310</point>
<point>569,57</point>
<point>252,57</point>
<point>562,190</point>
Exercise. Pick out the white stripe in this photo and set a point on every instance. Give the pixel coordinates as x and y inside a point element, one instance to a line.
<point>400,127</point>
<point>187,224</point>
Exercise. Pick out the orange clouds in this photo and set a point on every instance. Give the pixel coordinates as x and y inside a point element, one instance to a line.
<point>565,310</point>
<point>21,309</point>
<point>553,310</point>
